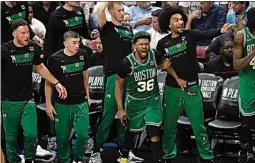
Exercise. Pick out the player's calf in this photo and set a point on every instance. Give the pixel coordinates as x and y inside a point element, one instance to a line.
<point>156,146</point>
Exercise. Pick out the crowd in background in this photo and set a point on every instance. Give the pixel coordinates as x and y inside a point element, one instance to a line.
<point>142,16</point>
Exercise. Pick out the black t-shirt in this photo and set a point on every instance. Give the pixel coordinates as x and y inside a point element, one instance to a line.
<point>62,20</point>
<point>69,72</point>
<point>17,64</point>
<point>117,43</point>
<point>41,14</point>
<point>217,66</point>
<point>20,11</point>
<point>126,67</point>
<point>182,52</point>
<point>96,59</point>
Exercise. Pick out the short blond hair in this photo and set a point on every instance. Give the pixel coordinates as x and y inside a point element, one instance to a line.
<point>111,4</point>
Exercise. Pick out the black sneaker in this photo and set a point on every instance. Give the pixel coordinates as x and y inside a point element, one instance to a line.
<point>167,161</point>
<point>200,160</point>
<point>209,161</point>
<point>46,158</point>
<point>243,159</point>
<point>83,161</point>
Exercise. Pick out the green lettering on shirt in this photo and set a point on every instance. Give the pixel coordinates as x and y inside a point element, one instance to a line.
<point>72,68</point>
<point>125,33</point>
<point>20,15</point>
<point>175,49</point>
<point>22,58</point>
<point>75,21</point>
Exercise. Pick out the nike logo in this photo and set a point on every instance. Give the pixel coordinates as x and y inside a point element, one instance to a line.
<point>12,50</point>
<point>63,61</point>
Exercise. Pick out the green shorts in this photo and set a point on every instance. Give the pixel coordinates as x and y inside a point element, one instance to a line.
<point>144,112</point>
<point>247,105</point>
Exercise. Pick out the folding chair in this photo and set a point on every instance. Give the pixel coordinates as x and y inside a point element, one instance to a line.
<point>226,126</point>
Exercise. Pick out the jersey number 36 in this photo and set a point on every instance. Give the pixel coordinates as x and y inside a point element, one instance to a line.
<point>146,86</point>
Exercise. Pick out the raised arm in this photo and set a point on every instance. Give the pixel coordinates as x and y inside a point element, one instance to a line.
<point>191,17</point>
<point>101,17</point>
<point>210,34</point>
<point>240,62</point>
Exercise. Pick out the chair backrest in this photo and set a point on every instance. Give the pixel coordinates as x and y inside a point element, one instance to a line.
<point>96,82</point>
<point>227,74</point>
<point>228,104</point>
<point>161,81</point>
<point>210,88</point>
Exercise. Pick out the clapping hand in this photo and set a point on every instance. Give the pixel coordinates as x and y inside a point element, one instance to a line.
<point>226,27</point>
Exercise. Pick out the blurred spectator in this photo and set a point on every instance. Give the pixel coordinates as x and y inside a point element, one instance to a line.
<point>223,3</point>
<point>130,3</point>
<point>239,12</point>
<point>11,11</point>
<point>154,31</point>
<point>223,64</point>
<point>189,7</point>
<point>97,58</point>
<point>70,16</point>
<point>252,4</point>
<point>141,16</point>
<point>212,17</point>
<point>169,4</point>
<point>86,10</point>
<point>93,18</point>
<point>127,18</point>
<point>214,49</point>
<point>43,9</point>
<point>36,25</point>
<point>158,4</point>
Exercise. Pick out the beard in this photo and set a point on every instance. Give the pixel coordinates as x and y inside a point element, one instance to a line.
<point>228,59</point>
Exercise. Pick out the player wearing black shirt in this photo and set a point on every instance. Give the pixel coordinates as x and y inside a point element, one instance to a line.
<point>43,9</point>
<point>182,90</point>
<point>11,11</point>
<point>69,65</point>
<point>67,17</point>
<point>19,57</point>
<point>117,43</point>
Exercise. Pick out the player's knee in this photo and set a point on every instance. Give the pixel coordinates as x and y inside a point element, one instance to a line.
<point>155,139</point>
<point>30,135</point>
<point>63,139</point>
<point>81,136</point>
<point>154,133</point>
<point>12,140</point>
